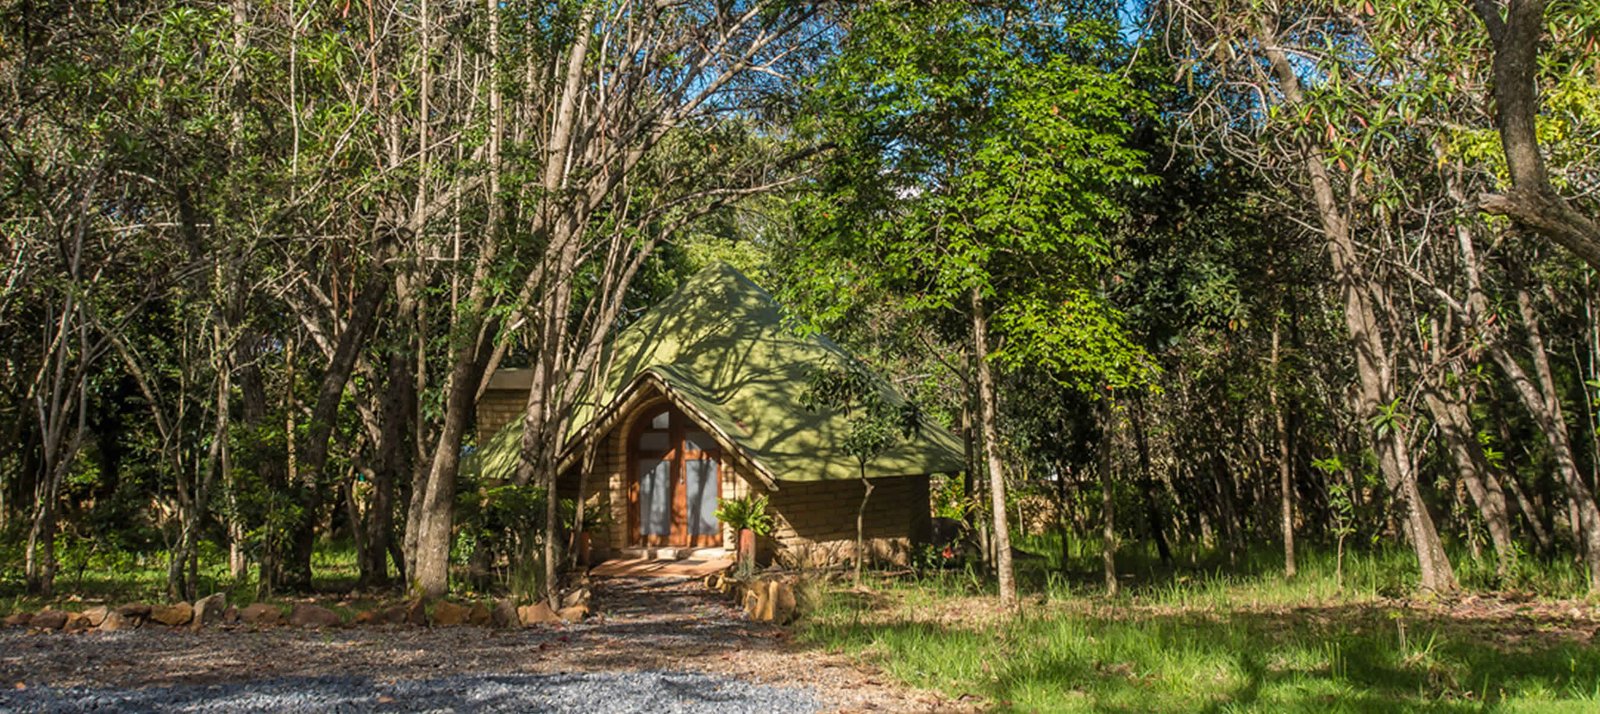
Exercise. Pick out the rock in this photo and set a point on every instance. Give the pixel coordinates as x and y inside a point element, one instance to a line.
<point>576,613</point>
<point>783,602</point>
<point>49,619</point>
<point>97,614</point>
<point>260,613</point>
<point>480,616</point>
<point>577,597</point>
<point>504,614</point>
<point>208,610</point>
<point>77,622</point>
<point>230,616</point>
<point>719,583</point>
<point>449,614</point>
<point>538,614</point>
<point>416,613</point>
<point>116,622</point>
<point>391,615</point>
<point>304,615</point>
<point>754,596</point>
<point>172,615</point>
<point>770,599</point>
<point>135,609</point>
<point>18,619</point>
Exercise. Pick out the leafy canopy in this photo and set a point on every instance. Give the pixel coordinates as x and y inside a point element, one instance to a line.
<point>981,148</point>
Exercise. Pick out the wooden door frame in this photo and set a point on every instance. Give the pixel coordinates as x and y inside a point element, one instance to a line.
<point>679,457</point>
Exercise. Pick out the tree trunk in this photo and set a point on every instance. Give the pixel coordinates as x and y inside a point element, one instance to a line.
<point>296,565</point>
<point>1285,459</point>
<point>1450,413</point>
<point>39,567</point>
<point>378,521</point>
<point>1545,402</point>
<point>991,450</point>
<point>1152,503</point>
<point>431,574</point>
<point>1532,201</point>
<point>861,522</point>
<point>1373,367</point>
<point>1108,501</point>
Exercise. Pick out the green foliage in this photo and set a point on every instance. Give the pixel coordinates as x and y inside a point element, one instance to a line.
<point>875,423</point>
<point>593,519</point>
<point>746,513</point>
<point>951,500</point>
<point>979,151</point>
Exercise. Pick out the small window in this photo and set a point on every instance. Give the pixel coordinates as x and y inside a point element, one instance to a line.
<point>654,441</point>
<point>662,421</point>
<point>698,441</point>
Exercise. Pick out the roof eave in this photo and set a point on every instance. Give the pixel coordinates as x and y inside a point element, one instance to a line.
<point>633,396</point>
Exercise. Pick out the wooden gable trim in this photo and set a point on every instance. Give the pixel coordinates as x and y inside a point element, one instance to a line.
<point>635,397</point>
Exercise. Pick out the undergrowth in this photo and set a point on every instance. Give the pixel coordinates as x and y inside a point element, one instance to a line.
<point>1209,635</point>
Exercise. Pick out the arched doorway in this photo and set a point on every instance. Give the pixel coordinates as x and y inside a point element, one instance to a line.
<point>675,480</point>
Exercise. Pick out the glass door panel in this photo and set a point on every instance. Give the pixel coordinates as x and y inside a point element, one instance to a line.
<point>702,495</point>
<point>655,498</point>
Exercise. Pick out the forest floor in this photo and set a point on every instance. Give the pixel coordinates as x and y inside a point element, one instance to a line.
<point>660,627</point>
<point>1224,643</point>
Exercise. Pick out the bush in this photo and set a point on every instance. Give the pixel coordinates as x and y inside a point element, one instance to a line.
<point>748,512</point>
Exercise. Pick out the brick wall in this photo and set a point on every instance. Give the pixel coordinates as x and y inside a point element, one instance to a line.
<point>817,521</point>
<point>497,408</point>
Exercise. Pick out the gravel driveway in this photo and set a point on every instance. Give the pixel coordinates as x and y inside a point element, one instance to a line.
<point>656,645</point>
<point>665,692</point>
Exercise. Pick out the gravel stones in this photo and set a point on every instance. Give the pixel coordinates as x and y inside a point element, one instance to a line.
<point>449,614</point>
<point>116,622</point>
<point>172,615</point>
<point>49,619</point>
<point>260,614</point>
<point>208,610</point>
<point>655,692</point>
<point>537,614</point>
<point>504,614</point>
<point>305,615</point>
<point>642,625</point>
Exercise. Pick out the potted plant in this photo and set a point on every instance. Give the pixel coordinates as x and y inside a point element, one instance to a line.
<point>594,520</point>
<point>748,518</point>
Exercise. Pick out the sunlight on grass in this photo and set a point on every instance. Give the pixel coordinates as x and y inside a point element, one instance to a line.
<point>1239,644</point>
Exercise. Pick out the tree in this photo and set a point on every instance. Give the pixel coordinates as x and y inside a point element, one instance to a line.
<point>978,148</point>
<point>874,423</point>
<point>1515,29</point>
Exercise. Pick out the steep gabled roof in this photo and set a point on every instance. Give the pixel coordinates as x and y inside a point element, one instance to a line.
<point>718,349</point>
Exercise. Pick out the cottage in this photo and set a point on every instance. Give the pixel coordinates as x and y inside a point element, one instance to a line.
<point>702,400</point>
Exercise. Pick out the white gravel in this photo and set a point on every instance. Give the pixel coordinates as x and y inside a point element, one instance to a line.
<point>591,692</point>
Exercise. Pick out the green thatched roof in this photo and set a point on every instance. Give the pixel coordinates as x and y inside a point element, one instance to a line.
<point>719,350</point>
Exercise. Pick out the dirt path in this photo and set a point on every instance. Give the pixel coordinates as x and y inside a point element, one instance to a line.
<point>644,624</point>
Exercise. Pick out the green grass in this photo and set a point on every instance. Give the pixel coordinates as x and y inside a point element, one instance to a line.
<point>123,577</point>
<point>1184,641</point>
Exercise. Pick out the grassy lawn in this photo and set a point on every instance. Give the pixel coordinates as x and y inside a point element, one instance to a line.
<point>1222,643</point>
<point>121,577</point>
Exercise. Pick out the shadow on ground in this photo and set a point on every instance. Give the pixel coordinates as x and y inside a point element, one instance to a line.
<point>1358,658</point>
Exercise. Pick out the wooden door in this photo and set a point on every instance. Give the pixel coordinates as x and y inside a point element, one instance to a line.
<point>675,480</point>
